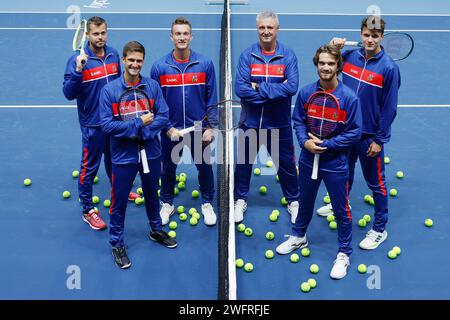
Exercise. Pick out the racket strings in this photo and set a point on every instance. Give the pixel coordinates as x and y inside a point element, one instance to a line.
<point>322,116</point>
<point>133,105</point>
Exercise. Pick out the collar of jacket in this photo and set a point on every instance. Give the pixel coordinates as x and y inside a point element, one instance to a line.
<point>378,56</point>
<point>193,58</point>
<point>279,50</point>
<point>336,90</point>
<point>91,54</point>
<point>125,85</point>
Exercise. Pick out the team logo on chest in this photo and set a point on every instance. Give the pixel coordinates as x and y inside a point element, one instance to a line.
<point>194,78</point>
<point>114,68</point>
<point>370,77</point>
<point>280,70</point>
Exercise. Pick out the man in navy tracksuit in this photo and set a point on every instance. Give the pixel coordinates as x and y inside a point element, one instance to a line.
<point>266,79</point>
<point>188,83</point>
<point>334,154</point>
<point>84,82</point>
<point>125,150</point>
<point>375,78</point>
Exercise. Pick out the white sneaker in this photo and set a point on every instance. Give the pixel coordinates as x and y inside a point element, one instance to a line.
<point>373,239</point>
<point>239,208</point>
<point>339,269</point>
<point>166,211</point>
<point>327,210</point>
<point>208,214</point>
<point>293,210</point>
<point>291,244</point>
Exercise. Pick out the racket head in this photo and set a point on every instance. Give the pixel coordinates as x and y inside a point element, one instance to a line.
<point>231,114</point>
<point>398,45</point>
<point>322,114</point>
<point>133,103</point>
<point>79,37</point>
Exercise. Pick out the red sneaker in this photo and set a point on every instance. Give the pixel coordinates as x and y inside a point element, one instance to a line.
<point>94,221</point>
<point>133,196</point>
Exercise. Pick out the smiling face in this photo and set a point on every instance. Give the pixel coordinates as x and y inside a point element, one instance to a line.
<point>327,67</point>
<point>133,63</point>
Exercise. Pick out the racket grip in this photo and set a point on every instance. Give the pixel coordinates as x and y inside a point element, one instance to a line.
<point>144,161</point>
<point>351,43</point>
<point>315,168</point>
<point>83,62</point>
<point>187,130</point>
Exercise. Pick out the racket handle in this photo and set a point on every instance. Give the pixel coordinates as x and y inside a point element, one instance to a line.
<point>83,62</point>
<point>351,43</point>
<point>187,130</point>
<point>315,168</point>
<point>144,161</point>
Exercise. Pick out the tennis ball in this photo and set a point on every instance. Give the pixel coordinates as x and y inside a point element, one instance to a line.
<point>239,263</point>
<point>263,189</point>
<point>192,210</point>
<point>372,201</point>
<point>428,222</point>
<point>294,258</point>
<point>181,185</point>
<point>193,221</point>
<point>367,198</point>
<point>305,252</point>
<point>305,287</point>
<point>183,175</point>
<point>314,268</point>
<point>277,178</point>
<point>393,192</point>
<point>27,182</point>
<point>183,217</point>
<point>284,201</point>
<point>75,173</point>
<point>181,209</point>
<point>257,171</point>
<point>273,217</point>
<point>160,183</point>
<point>270,235</point>
<point>277,212</point>
<point>269,254</point>
<point>107,203</point>
<point>177,178</point>
<point>172,233</point>
<point>392,254</point>
<point>183,179</point>
<point>139,201</point>
<point>248,267</point>
<point>248,232</point>
<point>397,250</point>
<point>159,193</point>
<point>362,268</point>
<point>400,174</point>
<point>333,225</point>
<point>312,283</point>
<point>196,215</point>
<point>140,191</point>
<point>241,227</point>
<point>96,179</point>
<point>66,194</point>
<point>326,199</point>
<point>95,199</point>
<point>362,223</point>
<point>387,160</point>
<point>173,225</point>
<point>96,209</point>
<point>195,194</point>
<point>367,218</point>
<point>331,217</point>
<point>176,191</point>
<point>269,164</point>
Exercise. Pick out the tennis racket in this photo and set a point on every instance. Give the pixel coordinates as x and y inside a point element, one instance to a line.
<point>133,103</point>
<point>397,45</point>
<point>79,38</point>
<point>322,117</point>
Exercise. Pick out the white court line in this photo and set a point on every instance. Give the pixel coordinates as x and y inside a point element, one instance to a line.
<point>234,106</point>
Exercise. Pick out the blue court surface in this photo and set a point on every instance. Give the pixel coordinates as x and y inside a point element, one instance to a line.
<point>44,239</point>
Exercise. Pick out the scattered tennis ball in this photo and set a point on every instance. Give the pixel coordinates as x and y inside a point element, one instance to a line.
<point>183,175</point>
<point>367,198</point>
<point>239,263</point>
<point>96,179</point>
<point>393,192</point>
<point>428,222</point>
<point>387,160</point>
<point>193,221</point>
<point>332,225</point>
<point>176,191</point>
<point>177,178</point>
<point>140,191</point>
<point>173,225</point>
<point>257,171</point>
<point>172,233</point>
<point>195,194</point>
<point>95,199</point>
<point>196,215</point>
<point>181,185</point>
<point>284,201</point>
<point>294,258</point>
<point>367,218</point>
<point>263,189</point>
<point>305,252</point>
<point>248,267</point>
<point>107,203</point>
<point>248,232</point>
<point>331,217</point>
<point>270,235</point>
<point>269,164</point>
<point>397,250</point>
<point>183,217</point>
<point>312,283</point>
<point>241,227</point>
<point>277,212</point>
<point>277,178</point>
<point>75,173</point>
<point>305,287</point>
<point>392,254</point>
<point>362,268</point>
<point>27,182</point>
<point>66,194</point>
<point>362,223</point>
<point>139,201</point>
<point>273,217</point>
<point>372,201</point>
<point>326,200</point>
<point>183,178</point>
<point>96,209</point>
<point>192,210</point>
<point>269,254</point>
<point>181,209</point>
<point>400,174</point>
<point>314,268</point>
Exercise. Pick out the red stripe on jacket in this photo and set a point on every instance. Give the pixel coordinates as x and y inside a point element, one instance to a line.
<point>368,76</point>
<point>193,78</point>
<point>100,72</point>
<point>330,114</point>
<point>130,107</point>
<point>273,70</point>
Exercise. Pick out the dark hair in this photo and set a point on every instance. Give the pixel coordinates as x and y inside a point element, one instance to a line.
<point>332,50</point>
<point>133,46</point>
<point>181,20</point>
<point>98,21</point>
<point>373,23</point>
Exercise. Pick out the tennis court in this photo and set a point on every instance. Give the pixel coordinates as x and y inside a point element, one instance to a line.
<point>44,238</point>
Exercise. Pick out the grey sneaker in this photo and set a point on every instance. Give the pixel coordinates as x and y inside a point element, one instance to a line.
<point>291,244</point>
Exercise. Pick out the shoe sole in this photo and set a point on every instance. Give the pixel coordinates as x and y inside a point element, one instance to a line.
<point>92,227</point>
<point>122,267</point>
<point>372,248</point>
<point>170,247</point>
<point>338,278</point>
